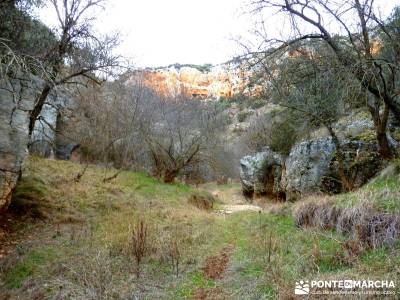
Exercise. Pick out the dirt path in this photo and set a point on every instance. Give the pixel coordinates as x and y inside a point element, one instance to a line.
<point>232,200</point>
<point>214,268</point>
<point>230,209</point>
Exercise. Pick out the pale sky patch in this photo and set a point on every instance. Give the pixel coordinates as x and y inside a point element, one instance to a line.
<point>163,32</point>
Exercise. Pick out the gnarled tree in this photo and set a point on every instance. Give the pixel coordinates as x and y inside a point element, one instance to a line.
<point>180,133</point>
<point>78,51</point>
<point>356,45</point>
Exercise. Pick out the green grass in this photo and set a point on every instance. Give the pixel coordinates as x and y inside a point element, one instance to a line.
<point>28,266</point>
<point>383,194</point>
<point>90,217</point>
<point>149,187</point>
<point>187,288</point>
<point>198,280</point>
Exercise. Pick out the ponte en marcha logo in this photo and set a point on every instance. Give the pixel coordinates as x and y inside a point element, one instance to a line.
<point>346,286</point>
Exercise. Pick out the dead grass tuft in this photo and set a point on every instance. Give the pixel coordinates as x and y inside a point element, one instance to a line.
<point>323,215</point>
<point>369,227</point>
<point>139,247</point>
<point>361,223</point>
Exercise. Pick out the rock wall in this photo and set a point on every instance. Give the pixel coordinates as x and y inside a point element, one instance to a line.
<point>306,164</point>
<point>212,83</point>
<point>17,99</point>
<point>261,174</point>
<point>43,135</point>
<point>311,167</point>
<point>48,138</point>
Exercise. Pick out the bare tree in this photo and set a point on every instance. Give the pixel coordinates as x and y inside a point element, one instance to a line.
<point>179,133</point>
<point>124,124</point>
<point>78,52</point>
<point>106,123</point>
<point>357,50</point>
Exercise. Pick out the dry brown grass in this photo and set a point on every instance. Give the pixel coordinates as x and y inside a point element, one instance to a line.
<point>139,243</point>
<point>362,223</point>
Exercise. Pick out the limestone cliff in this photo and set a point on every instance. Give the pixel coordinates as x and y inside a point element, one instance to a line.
<point>17,99</point>
<point>202,82</point>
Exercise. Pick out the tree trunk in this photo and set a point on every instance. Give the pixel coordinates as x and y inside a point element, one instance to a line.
<point>37,109</point>
<point>380,124</point>
<point>384,146</point>
<point>347,184</point>
<point>170,175</point>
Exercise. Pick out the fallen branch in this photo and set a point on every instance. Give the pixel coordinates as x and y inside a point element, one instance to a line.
<point>107,179</point>
<point>80,174</point>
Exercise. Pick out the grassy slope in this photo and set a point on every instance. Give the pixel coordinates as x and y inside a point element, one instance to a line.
<point>382,193</point>
<point>82,249</point>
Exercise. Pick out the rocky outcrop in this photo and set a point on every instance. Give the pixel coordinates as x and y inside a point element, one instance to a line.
<point>17,99</point>
<point>261,174</point>
<point>311,167</point>
<point>43,135</point>
<point>362,162</point>
<point>306,165</point>
<point>211,82</point>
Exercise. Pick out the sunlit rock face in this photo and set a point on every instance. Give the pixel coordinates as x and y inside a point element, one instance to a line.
<point>203,82</point>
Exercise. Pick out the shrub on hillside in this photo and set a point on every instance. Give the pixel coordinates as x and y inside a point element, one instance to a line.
<point>255,104</point>
<point>243,115</point>
<point>279,129</point>
<point>202,201</point>
<point>283,137</point>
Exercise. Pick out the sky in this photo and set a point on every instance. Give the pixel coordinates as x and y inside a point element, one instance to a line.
<point>163,32</point>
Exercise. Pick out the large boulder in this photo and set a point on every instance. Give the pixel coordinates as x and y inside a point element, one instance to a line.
<point>362,161</point>
<point>312,166</point>
<point>306,165</point>
<point>261,174</point>
<point>17,99</point>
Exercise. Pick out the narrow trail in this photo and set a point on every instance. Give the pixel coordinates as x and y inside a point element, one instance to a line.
<point>230,209</point>
<point>232,200</point>
<point>216,266</point>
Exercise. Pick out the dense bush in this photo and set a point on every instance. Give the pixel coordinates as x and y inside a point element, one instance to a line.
<point>283,137</point>
<point>243,115</point>
<point>257,103</point>
<point>279,129</point>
